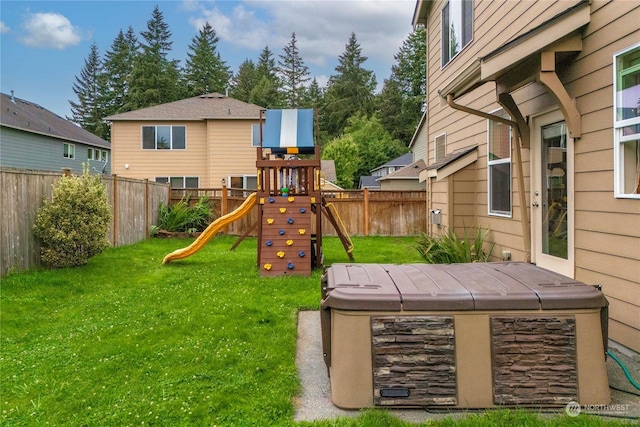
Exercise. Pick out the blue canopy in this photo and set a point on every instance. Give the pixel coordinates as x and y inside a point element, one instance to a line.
<point>288,131</point>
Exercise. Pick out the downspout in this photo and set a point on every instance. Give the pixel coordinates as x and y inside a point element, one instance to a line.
<point>526,231</point>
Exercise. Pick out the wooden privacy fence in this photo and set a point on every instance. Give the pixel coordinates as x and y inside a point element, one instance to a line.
<point>363,212</point>
<point>134,208</point>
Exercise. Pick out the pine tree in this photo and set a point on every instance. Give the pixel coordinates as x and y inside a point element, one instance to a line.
<point>118,66</point>
<point>154,79</point>
<point>293,74</point>
<point>244,81</point>
<point>88,111</point>
<point>266,91</point>
<point>205,71</point>
<point>402,100</point>
<point>349,92</point>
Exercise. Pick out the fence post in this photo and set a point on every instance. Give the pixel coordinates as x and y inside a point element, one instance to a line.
<point>115,210</point>
<point>365,198</point>
<point>224,200</point>
<point>146,208</point>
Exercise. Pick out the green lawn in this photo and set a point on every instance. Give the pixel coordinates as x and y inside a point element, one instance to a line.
<point>201,341</point>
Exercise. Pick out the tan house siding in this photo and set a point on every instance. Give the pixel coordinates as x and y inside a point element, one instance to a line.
<point>145,164</point>
<point>230,150</point>
<point>607,229</point>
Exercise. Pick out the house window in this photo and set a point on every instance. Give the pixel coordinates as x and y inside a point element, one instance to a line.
<point>180,181</point>
<point>441,147</point>
<point>255,135</point>
<point>98,155</point>
<point>246,182</point>
<point>457,28</point>
<point>499,166</point>
<point>627,122</point>
<point>68,151</point>
<point>392,169</point>
<point>164,137</point>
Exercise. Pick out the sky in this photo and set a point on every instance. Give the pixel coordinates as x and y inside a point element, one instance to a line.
<point>43,44</point>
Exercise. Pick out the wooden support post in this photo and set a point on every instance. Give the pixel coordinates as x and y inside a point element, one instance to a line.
<point>115,210</point>
<point>146,208</point>
<point>365,195</point>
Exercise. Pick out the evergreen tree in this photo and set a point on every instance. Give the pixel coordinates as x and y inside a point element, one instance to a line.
<point>154,79</point>
<point>349,92</point>
<point>244,81</point>
<point>313,96</point>
<point>293,74</point>
<point>87,111</point>
<point>266,91</point>
<point>205,72</point>
<point>118,66</point>
<point>402,100</point>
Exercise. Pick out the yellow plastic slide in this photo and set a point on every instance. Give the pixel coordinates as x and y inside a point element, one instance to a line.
<point>212,230</point>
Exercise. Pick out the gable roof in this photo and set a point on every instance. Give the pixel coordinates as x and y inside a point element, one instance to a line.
<point>30,117</point>
<point>411,171</point>
<point>403,160</point>
<point>328,167</point>
<point>369,182</point>
<point>203,107</point>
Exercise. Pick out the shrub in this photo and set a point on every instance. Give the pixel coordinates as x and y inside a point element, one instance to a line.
<point>181,216</point>
<point>447,248</point>
<point>73,225</point>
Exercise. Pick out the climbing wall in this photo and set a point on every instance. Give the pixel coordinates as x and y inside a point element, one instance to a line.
<point>285,238</point>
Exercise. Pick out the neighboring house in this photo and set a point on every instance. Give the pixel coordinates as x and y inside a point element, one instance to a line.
<point>328,176</point>
<point>372,182</point>
<point>200,142</point>
<point>393,165</point>
<point>405,179</point>
<point>533,131</point>
<point>34,138</point>
<point>418,144</point>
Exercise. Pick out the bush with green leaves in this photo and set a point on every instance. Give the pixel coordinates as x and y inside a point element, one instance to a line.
<point>73,225</point>
<point>448,248</point>
<point>182,216</point>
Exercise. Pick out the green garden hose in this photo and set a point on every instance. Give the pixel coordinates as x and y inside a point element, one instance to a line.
<point>624,369</point>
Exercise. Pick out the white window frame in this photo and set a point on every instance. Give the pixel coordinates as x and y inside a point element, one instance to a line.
<point>255,135</point>
<point>244,180</point>
<point>156,138</point>
<point>490,163</point>
<point>619,140</point>
<point>445,24</point>
<point>68,151</point>
<point>436,157</point>
<point>168,179</point>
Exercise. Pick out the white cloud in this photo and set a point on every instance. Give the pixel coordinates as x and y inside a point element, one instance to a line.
<point>322,27</point>
<point>50,30</point>
<point>3,28</point>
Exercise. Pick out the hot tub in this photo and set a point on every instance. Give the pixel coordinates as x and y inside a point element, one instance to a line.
<point>462,335</point>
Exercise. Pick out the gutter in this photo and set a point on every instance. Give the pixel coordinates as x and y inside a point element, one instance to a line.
<point>526,228</point>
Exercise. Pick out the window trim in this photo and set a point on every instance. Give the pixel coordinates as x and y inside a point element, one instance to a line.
<point>142,127</point>
<point>443,38</point>
<point>244,180</point>
<point>68,151</point>
<point>167,180</point>
<point>503,214</point>
<point>618,138</point>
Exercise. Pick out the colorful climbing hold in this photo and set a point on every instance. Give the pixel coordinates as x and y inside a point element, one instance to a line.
<point>271,200</point>
<point>290,220</point>
<point>302,210</point>
<point>290,266</point>
<point>267,266</point>
<point>283,210</point>
<point>289,242</point>
<point>269,221</point>
<point>280,254</point>
<point>269,243</point>
<point>302,231</point>
<point>301,254</point>
<point>291,199</point>
<point>281,232</point>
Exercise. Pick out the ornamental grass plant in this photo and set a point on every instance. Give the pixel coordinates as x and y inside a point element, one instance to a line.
<point>204,341</point>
